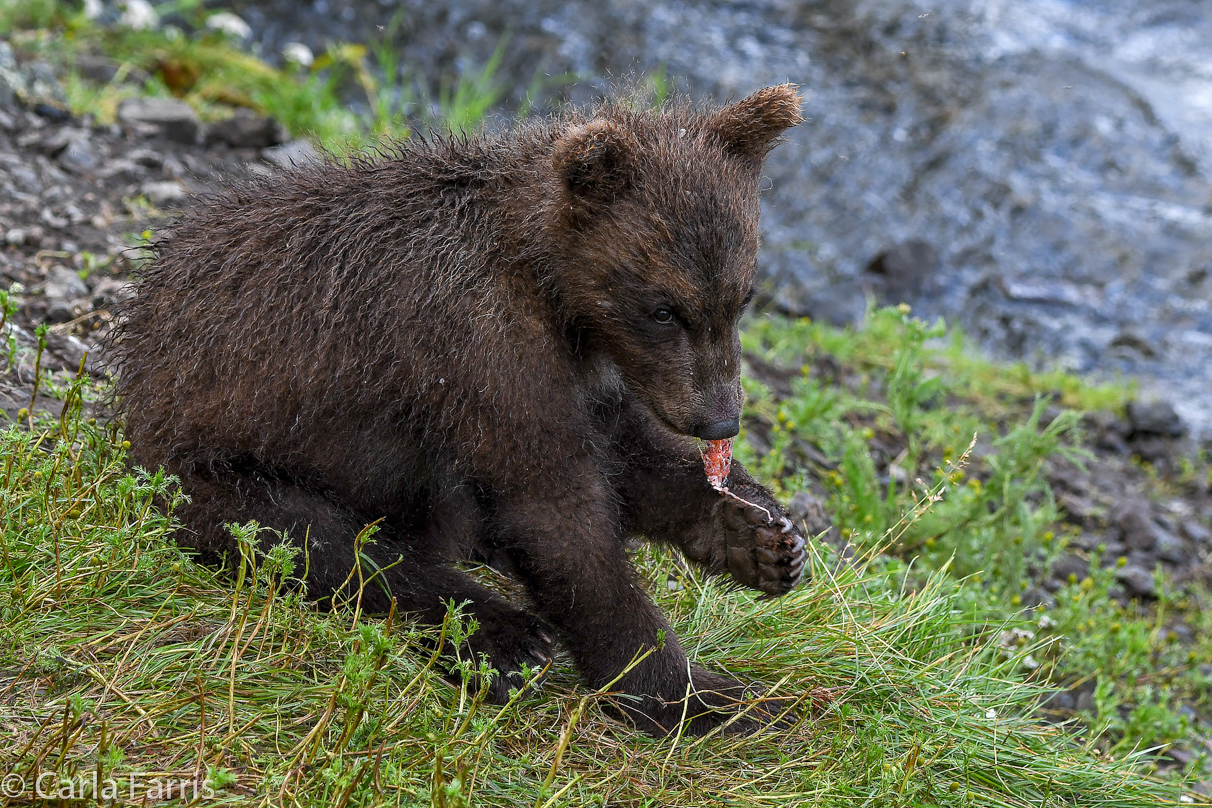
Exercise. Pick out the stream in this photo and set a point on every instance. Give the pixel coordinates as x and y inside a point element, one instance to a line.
<point>1035,171</point>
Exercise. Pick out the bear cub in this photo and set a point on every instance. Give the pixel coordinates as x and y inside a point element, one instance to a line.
<point>502,347</point>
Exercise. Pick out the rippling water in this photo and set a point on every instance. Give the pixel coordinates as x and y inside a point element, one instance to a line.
<point>1038,169</point>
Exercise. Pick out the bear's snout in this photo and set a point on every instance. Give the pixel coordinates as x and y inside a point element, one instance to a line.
<point>719,430</point>
<point>721,418</point>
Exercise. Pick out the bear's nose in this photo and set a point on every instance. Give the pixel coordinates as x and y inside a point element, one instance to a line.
<point>719,430</point>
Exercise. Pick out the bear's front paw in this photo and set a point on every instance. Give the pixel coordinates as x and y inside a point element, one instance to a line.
<point>765,550</point>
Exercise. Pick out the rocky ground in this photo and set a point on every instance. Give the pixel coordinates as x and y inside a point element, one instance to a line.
<point>78,198</point>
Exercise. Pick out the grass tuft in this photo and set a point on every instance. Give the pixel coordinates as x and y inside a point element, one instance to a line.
<point>122,657</point>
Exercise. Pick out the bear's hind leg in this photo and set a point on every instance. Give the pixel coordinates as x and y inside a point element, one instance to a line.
<point>413,573</point>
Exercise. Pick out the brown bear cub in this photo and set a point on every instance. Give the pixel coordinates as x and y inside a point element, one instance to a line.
<point>502,346</point>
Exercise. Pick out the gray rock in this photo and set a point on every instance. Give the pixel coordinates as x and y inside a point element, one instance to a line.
<point>52,142</point>
<point>296,153</point>
<point>13,84</point>
<point>1137,580</point>
<point>1060,700</point>
<point>1155,418</point>
<point>78,156</point>
<point>173,119</point>
<point>147,158</point>
<point>809,511</point>
<point>1085,701</point>
<point>29,235</point>
<point>903,272</point>
<point>1128,342</point>
<point>124,168</point>
<point>59,311</point>
<point>44,86</point>
<point>163,193</point>
<point>108,291</point>
<point>98,69</point>
<point>1197,533</point>
<point>1134,519</point>
<point>245,130</point>
<point>1171,548</point>
<point>26,179</point>
<point>1070,564</point>
<point>64,284</point>
<point>68,349</point>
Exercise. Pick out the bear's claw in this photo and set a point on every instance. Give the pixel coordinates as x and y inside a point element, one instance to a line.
<point>763,553</point>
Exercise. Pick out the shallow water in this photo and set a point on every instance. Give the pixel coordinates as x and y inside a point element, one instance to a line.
<point>1044,164</point>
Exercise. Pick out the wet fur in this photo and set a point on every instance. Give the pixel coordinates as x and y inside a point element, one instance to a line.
<point>456,337</point>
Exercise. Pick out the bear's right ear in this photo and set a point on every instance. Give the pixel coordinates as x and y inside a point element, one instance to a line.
<point>593,161</point>
<point>750,128</point>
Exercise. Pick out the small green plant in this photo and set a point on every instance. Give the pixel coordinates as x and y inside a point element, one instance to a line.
<point>889,457</point>
<point>8,308</point>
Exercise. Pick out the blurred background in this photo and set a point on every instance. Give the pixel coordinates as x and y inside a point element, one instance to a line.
<point>1035,170</point>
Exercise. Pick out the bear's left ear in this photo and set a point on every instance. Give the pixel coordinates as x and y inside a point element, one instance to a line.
<point>593,161</point>
<point>750,128</point>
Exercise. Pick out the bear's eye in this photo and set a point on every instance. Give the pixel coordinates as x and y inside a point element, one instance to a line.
<point>663,315</point>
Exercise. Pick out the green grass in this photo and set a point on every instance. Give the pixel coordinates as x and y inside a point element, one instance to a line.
<point>352,96</point>
<point>120,655</point>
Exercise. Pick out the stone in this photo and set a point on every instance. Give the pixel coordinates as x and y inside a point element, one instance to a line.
<point>1070,564</point>
<point>173,119</point>
<point>108,291</point>
<point>59,311</point>
<point>52,112</point>
<point>163,193</point>
<point>230,24</point>
<point>298,54</point>
<point>1171,548</point>
<point>139,15</point>
<point>1197,533</point>
<point>289,155</point>
<point>1135,522</point>
<point>124,168</point>
<point>1137,580</point>
<point>1155,418</point>
<point>1060,700</point>
<point>70,350</point>
<point>44,86</point>
<point>77,157</point>
<point>1128,342</point>
<point>245,130</point>
<point>26,179</point>
<point>905,270</point>
<point>12,83</point>
<point>146,158</point>
<point>808,510</point>
<point>97,69</point>
<point>64,284</point>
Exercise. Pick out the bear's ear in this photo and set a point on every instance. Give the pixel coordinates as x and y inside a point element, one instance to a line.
<point>750,128</point>
<point>593,161</point>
